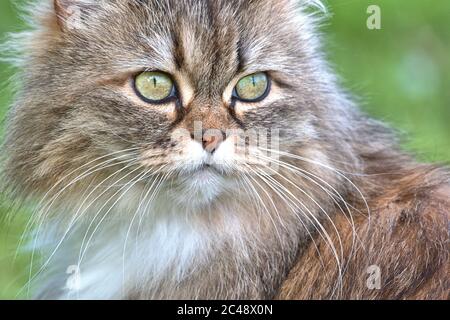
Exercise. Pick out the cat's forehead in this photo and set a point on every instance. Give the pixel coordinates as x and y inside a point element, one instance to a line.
<point>213,40</point>
<point>195,34</point>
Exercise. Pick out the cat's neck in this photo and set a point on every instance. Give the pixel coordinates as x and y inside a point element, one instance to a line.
<point>174,254</point>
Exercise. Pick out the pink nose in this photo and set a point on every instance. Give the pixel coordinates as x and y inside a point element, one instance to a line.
<point>211,143</point>
<point>211,140</point>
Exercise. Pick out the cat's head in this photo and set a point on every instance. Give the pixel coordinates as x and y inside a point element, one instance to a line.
<point>163,88</point>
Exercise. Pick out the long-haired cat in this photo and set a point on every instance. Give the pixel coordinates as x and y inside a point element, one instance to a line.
<point>203,150</point>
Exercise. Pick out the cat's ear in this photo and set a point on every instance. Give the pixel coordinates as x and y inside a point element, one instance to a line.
<point>73,14</point>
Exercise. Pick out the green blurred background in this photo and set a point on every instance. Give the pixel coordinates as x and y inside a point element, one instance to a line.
<point>401,73</point>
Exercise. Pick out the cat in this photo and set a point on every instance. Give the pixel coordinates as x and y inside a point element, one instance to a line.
<point>131,133</point>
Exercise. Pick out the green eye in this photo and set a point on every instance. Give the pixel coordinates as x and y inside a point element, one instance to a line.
<point>154,87</point>
<point>252,88</point>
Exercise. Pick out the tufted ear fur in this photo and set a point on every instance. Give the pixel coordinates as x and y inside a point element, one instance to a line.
<point>73,14</point>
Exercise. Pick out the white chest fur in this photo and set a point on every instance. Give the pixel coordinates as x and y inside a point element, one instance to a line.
<point>124,254</point>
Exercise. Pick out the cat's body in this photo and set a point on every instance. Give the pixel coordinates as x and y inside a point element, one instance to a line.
<point>404,244</point>
<point>143,214</point>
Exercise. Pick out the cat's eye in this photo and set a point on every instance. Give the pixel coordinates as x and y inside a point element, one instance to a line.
<point>252,88</point>
<point>154,86</point>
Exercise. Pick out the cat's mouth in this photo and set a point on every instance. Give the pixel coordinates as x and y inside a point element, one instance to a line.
<point>208,167</point>
<point>204,172</point>
<point>200,185</point>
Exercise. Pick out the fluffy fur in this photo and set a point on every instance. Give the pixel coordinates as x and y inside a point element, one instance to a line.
<point>143,217</point>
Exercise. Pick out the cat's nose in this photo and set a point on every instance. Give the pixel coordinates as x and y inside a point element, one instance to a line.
<point>210,144</point>
<point>211,140</point>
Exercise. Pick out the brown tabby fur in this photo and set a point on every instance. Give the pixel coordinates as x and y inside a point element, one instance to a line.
<point>74,106</point>
<point>407,237</point>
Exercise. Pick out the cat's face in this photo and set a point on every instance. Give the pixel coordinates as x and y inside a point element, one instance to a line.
<point>170,85</point>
